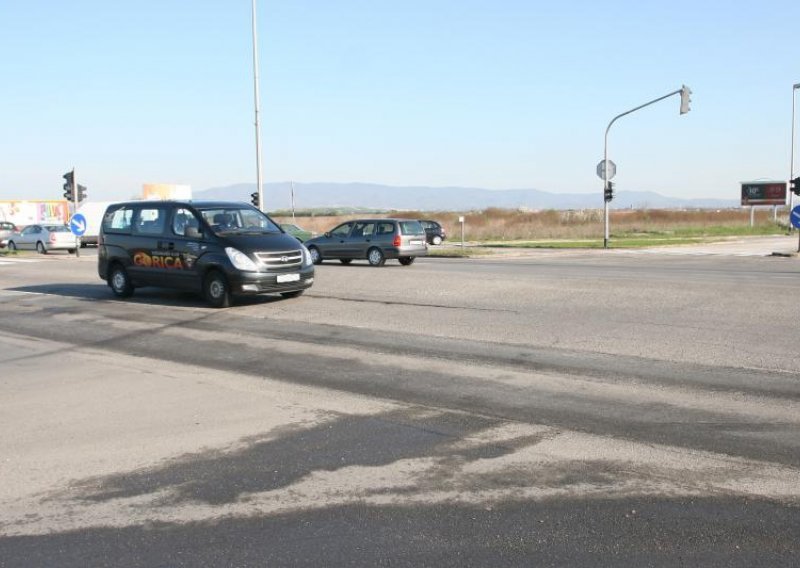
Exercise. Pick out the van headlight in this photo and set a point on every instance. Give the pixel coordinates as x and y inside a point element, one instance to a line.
<point>306,256</point>
<point>239,260</point>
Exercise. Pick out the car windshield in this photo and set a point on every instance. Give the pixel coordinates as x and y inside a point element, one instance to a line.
<point>411,228</point>
<point>239,220</point>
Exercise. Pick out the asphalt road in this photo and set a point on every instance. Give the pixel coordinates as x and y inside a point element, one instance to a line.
<point>571,408</point>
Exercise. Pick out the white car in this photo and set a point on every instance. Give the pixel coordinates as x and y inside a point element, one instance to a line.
<point>44,238</point>
<point>6,230</point>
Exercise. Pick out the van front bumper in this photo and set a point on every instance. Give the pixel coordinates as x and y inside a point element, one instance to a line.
<point>271,282</point>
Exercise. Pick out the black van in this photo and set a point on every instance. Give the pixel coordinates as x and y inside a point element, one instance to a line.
<point>211,247</point>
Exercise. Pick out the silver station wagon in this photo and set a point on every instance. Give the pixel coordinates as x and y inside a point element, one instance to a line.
<point>374,240</point>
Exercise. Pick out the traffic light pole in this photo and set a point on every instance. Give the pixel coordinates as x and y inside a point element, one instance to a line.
<point>684,91</point>
<point>74,208</point>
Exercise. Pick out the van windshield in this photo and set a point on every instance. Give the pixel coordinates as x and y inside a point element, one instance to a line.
<point>238,220</point>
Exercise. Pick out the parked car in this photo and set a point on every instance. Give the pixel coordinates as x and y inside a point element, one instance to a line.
<point>219,249</point>
<point>297,232</point>
<point>374,240</point>
<point>6,230</point>
<point>43,239</point>
<point>434,232</point>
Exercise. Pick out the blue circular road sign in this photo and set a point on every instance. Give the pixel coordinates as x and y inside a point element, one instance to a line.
<point>77,224</point>
<point>795,217</point>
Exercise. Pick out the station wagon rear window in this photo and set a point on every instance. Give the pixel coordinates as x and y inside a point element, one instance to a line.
<point>411,228</point>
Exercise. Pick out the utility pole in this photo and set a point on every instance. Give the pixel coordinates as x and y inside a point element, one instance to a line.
<point>260,188</point>
<point>791,158</point>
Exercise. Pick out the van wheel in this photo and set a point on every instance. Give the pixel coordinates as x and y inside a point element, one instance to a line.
<point>11,246</point>
<point>294,294</point>
<point>120,282</point>
<point>345,260</point>
<point>406,260</point>
<point>216,290</point>
<point>40,248</point>
<point>376,257</point>
<point>316,257</point>
<point>437,240</point>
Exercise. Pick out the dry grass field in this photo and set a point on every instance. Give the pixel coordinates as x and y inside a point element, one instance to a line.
<point>515,225</point>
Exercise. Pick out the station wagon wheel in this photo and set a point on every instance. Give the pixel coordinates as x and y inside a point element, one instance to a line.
<point>376,257</point>
<point>406,260</point>
<point>11,245</point>
<point>120,282</point>
<point>40,248</point>
<point>437,240</point>
<point>316,257</point>
<point>216,289</point>
<point>345,260</point>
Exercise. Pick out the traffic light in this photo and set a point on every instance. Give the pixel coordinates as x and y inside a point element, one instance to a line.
<point>254,198</point>
<point>686,98</point>
<point>81,192</point>
<point>69,176</point>
<point>609,191</point>
<point>794,185</point>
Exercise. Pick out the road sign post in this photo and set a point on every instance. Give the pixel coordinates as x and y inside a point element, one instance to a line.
<point>77,224</point>
<point>794,217</point>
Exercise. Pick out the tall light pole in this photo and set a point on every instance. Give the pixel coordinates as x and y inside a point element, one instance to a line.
<point>258,129</point>
<point>791,158</point>
<point>685,93</point>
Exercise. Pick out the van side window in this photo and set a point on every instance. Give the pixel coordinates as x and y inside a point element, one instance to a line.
<point>118,220</point>
<point>151,221</point>
<point>182,220</point>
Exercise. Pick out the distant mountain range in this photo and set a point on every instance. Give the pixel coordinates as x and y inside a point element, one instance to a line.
<point>277,196</point>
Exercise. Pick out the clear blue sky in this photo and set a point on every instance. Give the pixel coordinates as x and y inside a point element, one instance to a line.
<point>498,94</point>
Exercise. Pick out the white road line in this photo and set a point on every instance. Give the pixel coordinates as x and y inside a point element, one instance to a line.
<point>11,260</point>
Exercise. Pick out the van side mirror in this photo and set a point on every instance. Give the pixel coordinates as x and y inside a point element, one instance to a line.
<point>193,233</point>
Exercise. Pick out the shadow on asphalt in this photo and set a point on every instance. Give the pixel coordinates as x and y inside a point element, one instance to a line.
<point>148,295</point>
<point>722,531</point>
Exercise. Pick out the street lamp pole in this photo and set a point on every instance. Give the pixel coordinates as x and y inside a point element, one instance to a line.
<point>791,158</point>
<point>684,91</point>
<point>258,129</point>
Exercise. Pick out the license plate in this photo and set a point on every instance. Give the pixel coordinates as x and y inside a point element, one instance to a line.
<point>416,242</point>
<point>288,277</point>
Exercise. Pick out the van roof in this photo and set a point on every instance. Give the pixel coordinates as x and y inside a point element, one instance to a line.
<point>201,204</point>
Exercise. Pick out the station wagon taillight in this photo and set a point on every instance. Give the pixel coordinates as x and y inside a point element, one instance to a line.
<point>396,242</point>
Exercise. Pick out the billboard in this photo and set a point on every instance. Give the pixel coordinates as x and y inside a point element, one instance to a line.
<point>763,193</point>
<point>166,191</point>
<point>23,213</point>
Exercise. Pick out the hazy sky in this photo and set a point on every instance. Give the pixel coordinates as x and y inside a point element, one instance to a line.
<point>494,93</point>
